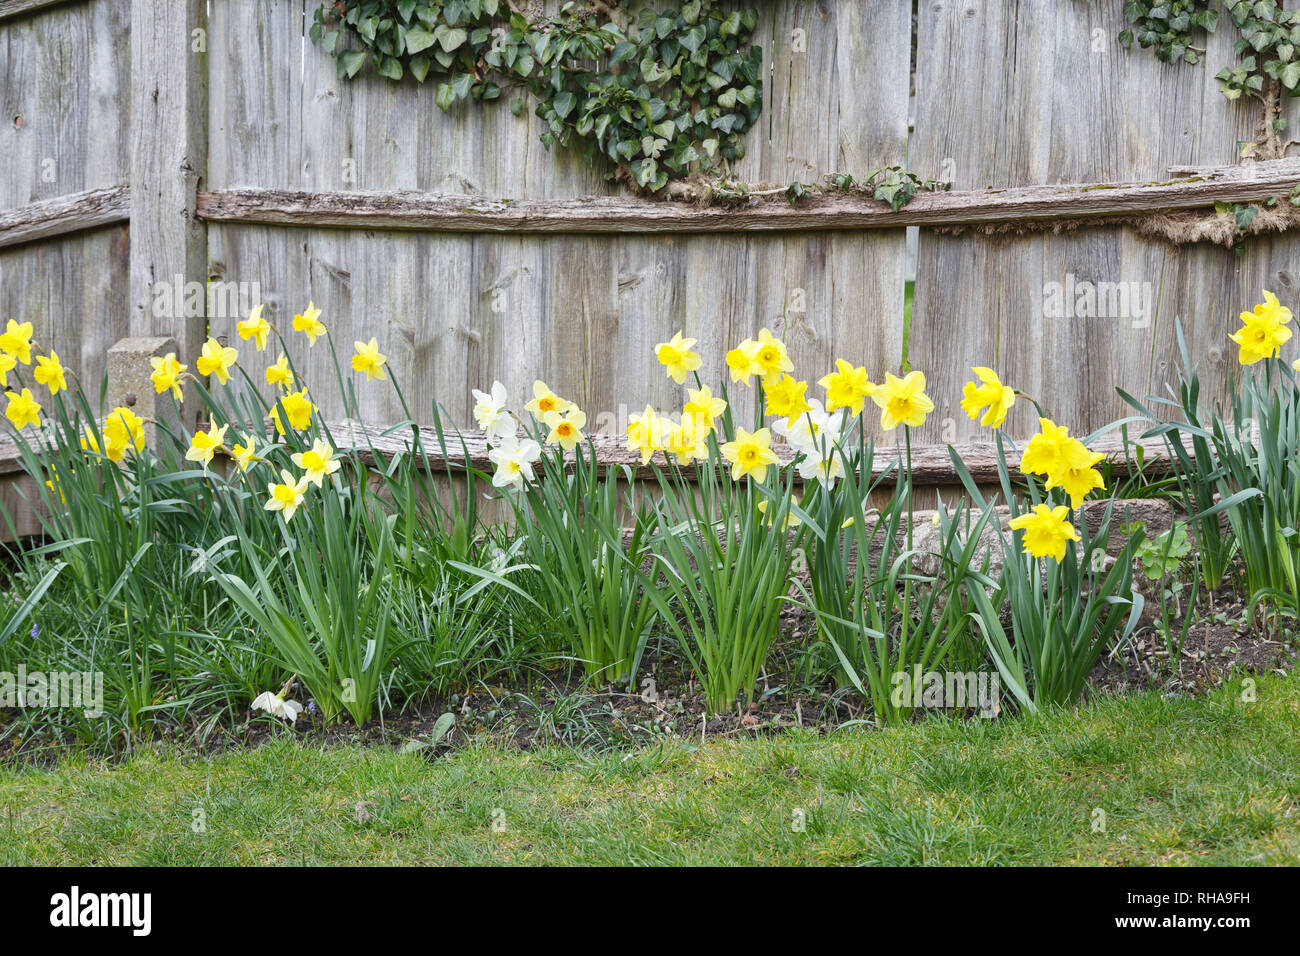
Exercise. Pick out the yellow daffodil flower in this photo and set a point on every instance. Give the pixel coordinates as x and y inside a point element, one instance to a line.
<point>204,445</point>
<point>791,519</point>
<point>287,496</point>
<point>770,354</point>
<point>216,360</point>
<point>298,407</point>
<point>676,356</point>
<point>1263,331</point>
<point>245,453</point>
<point>166,375</point>
<point>280,374</point>
<point>1045,452</point>
<point>902,400</point>
<point>704,407</point>
<point>51,373</point>
<point>254,327</point>
<point>1075,472</point>
<point>318,462</point>
<point>1046,531</point>
<point>309,324</point>
<point>644,434</point>
<point>369,360</point>
<point>742,362</point>
<point>990,395</point>
<point>750,454</point>
<point>785,397</point>
<point>687,440</point>
<point>566,429</point>
<point>7,364</point>
<point>544,400</point>
<point>23,409</point>
<point>847,387</point>
<point>122,429</point>
<point>16,340</point>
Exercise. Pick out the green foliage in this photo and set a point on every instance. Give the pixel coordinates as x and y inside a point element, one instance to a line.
<point>1266,50</point>
<point>1063,614</point>
<point>879,612</point>
<point>1162,555</point>
<point>672,93</point>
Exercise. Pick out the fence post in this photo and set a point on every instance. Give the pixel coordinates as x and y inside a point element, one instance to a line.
<point>169,152</point>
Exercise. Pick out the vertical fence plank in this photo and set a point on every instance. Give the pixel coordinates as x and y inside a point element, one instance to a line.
<point>168,158</point>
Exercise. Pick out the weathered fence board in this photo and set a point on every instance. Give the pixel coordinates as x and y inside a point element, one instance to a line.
<point>64,101</point>
<point>72,291</point>
<point>454,312</point>
<point>1039,93</point>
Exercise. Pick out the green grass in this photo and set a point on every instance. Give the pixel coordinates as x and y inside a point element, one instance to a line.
<point>1182,781</point>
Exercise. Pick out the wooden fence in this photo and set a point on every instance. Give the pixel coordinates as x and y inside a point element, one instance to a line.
<point>149,140</point>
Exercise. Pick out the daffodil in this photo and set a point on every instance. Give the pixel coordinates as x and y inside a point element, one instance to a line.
<point>23,409</point>
<point>1259,338</point>
<point>785,397</point>
<point>254,327</point>
<point>514,461</point>
<point>704,407</point>
<point>750,454</point>
<point>204,445</point>
<point>7,364</point>
<point>565,429</point>
<point>50,372</point>
<point>544,400</point>
<point>88,441</point>
<point>123,429</point>
<point>847,387</point>
<point>245,453</point>
<point>16,340</point>
<point>1046,451</point>
<point>644,434</point>
<point>742,362</point>
<point>217,360</point>
<point>280,374</point>
<point>297,407</point>
<point>1046,531</point>
<point>287,496</point>
<point>770,354</point>
<point>309,324</point>
<point>827,469</point>
<point>490,413</point>
<point>687,440</point>
<point>902,400</point>
<point>277,706</point>
<point>369,360</point>
<point>991,396</point>
<point>318,462</point>
<point>676,356</point>
<point>814,432</point>
<point>791,519</point>
<point>1075,473</point>
<point>166,375</point>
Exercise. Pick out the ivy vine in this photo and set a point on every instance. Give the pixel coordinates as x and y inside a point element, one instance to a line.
<point>1268,50</point>
<point>668,94</point>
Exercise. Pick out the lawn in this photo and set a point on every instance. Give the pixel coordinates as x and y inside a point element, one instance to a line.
<point>1139,779</point>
